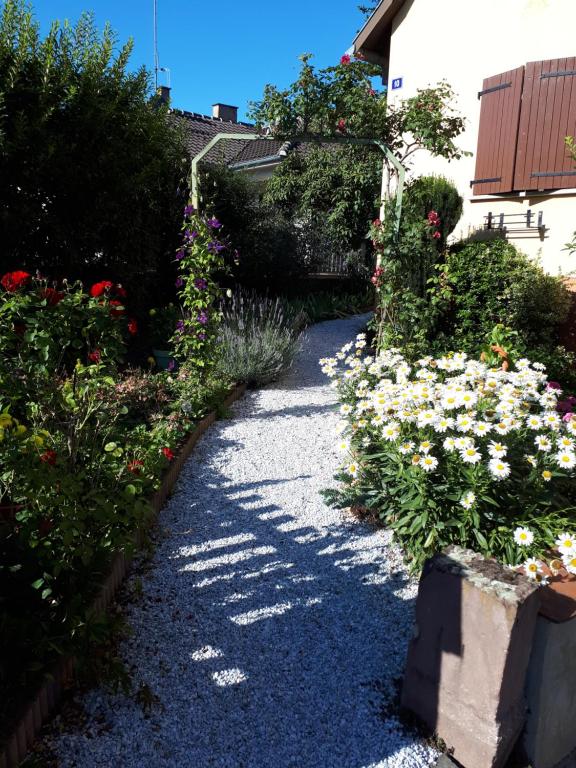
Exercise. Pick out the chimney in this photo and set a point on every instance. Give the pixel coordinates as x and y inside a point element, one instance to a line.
<point>163,94</point>
<point>225,112</point>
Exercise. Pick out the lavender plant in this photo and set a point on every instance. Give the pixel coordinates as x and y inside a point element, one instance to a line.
<point>258,338</point>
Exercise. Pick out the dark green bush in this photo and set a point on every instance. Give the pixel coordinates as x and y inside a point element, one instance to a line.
<point>486,283</point>
<point>434,193</point>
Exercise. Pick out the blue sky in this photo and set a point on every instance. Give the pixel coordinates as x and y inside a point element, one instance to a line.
<point>222,50</point>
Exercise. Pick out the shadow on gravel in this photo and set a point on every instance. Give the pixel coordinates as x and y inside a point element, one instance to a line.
<point>298,634</point>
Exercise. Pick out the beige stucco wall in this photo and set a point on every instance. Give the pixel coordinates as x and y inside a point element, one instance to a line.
<point>463,42</point>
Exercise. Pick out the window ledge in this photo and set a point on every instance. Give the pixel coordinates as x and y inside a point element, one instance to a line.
<point>522,195</point>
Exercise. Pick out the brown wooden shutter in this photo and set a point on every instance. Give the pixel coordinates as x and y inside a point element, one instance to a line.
<point>501,97</point>
<point>547,116</point>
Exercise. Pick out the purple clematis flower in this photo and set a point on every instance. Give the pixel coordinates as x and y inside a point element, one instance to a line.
<point>171,364</point>
<point>215,247</point>
<point>190,234</point>
<point>201,283</point>
<point>180,325</point>
<point>189,210</point>
<point>180,255</point>
<point>202,317</point>
<point>201,335</point>
<point>179,283</point>
<point>214,223</point>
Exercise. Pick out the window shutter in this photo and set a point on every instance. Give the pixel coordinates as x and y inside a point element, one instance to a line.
<point>501,97</point>
<point>547,116</point>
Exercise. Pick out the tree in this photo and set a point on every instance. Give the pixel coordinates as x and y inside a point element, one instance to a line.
<point>91,169</point>
<point>341,186</point>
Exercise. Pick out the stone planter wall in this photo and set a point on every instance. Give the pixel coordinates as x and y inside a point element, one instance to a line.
<point>61,676</point>
<point>492,665</point>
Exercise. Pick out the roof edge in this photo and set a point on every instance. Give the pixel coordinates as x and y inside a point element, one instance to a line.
<point>379,25</point>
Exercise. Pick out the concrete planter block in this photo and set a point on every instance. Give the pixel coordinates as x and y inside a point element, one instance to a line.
<point>466,667</point>
<point>550,733</point>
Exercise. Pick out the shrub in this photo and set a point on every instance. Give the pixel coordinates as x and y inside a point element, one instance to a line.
<point>452,451</point>
<point>486,283</point>
<point>259,338</point>
<point>434,193</point>
<point>92,171</point>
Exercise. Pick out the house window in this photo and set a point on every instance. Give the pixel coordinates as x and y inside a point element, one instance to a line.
<point>525,115</point>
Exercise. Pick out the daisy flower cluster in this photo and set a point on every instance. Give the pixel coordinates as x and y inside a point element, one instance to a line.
<point>487,432</point>
<point>565,545</point>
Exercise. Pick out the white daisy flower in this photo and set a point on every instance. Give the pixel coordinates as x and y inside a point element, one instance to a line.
<point>546,475</point>
<point>464,423</point>
<point>565,443</point>
<point>569,562</point>
<point>566,459</point>
<point>406,447</point>
<point>391,431</point>
<point>344,445</point>
<point>543,443</point>
<point>449,444</point>
<point>531,460</point>
<point>552,420</point>
<point>467,501</point>
<point>523,537</point>
<point>500,469</point>
<point>425,446</point>
<point>532,568</point>
<point>443,424</point>
<point>462,443</point>
<point>345,409</point>
<point>481,428</point>
<point>470,455</point>
<point>566,544</point>
<point>534,422</point>
<point>428,463</point>
<point>352,469</point>
<point>497,450</point>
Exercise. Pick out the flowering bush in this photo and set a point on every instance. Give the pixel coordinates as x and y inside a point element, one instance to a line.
<point>452,450</point>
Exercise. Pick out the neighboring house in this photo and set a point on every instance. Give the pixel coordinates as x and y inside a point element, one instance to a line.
<point>257,158</point>
<point>512,64</point>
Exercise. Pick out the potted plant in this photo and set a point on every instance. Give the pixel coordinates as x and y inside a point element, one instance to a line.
<point>163,323</point>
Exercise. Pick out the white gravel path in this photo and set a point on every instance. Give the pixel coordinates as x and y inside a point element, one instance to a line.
<point>271,628</point>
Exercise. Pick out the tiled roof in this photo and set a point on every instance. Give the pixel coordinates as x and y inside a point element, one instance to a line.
<point>199,129</point>
<point>257,150</point>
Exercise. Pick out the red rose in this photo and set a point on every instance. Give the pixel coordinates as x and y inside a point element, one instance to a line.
<point>99,288</point>
<point>436,235</point>
<point>168,453</point>
<point>52,296</point>
<point>135,466</point>
<point>116,308</point>
<point>49,457</point>
<point>119,291</point>
<point>376,223</point>
<point>14,280</point>
<point>341,125</point>
<point>345,59</point>
<point>133,327</point>
<point>94,356</point>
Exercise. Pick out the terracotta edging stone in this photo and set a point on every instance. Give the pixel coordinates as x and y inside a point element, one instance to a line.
<point>467,662</point>
<point>61,676</point>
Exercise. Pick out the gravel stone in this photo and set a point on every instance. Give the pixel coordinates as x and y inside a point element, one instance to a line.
<point>272,630</point>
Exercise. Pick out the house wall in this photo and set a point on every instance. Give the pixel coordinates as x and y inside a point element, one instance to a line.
<point>463,42</point>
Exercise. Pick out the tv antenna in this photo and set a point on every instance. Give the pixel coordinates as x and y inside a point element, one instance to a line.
<point>156,61</point>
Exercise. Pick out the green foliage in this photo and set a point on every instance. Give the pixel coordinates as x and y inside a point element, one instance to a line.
<point>486,283</point>
<point>320,306</point>
<point>341,101</point>
<point>433,193</point>
<point>259,338</point>
<point>90,168</point>
<point>163,324</point>
<point>264,239</point>
<point>331,189</point>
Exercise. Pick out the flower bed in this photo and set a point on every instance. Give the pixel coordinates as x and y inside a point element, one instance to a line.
<point>457,451</point>
<point>84,443</point>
